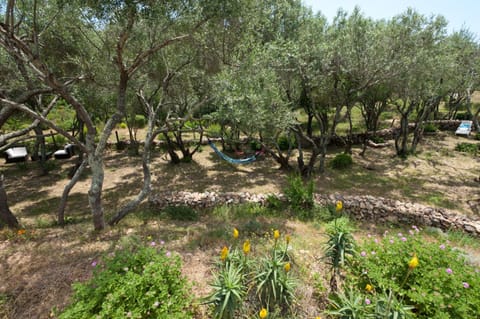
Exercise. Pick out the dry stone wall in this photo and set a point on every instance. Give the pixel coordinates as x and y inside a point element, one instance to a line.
<point>363,208</point>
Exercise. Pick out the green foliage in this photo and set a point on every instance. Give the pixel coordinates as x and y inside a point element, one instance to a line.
<point>274,202</point>
<point>340,244</point>
<point>348,305</point>
<point>299,193</point>
<point>214,130</point>
<point>244,277</point>
<point>377,139</point>
<point>136,282</point>
<point>275,287</point>
<point>443,285</point>
<point>228,291</point>
<point>59,140</point>
<point>255,146</point>
<point>139,121</point>
<point>341,161</point>
<point>477,136</point>
<point>462,116</point>
<point>430,128</point>
<point>353,304</point>
<point>184,213</point>
<point>470,148</point>
<point>286,142</point>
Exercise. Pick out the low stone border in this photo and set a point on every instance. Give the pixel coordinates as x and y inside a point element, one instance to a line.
<point>377,209</point>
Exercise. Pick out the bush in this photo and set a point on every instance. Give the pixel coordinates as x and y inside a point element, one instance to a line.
<point>299,194</point>
<point>184,213</point>
<point>214,130</point>
<point>139,121</point>
<point>441,284</point>
<point>467,148</point>
<point>137,282</point>
<point>477,136</point>
<point>274,202</point>
<point>341,161</point>
<point>463,116</point>
<point>430,128</point>
<point>377,139</point>
<point>286,142</point>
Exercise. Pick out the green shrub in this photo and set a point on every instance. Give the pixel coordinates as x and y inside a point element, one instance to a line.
<point>477,136</point>
<point>299,193</point>
<point>463,116</point>
<point>184,213</point>
<point>136,282</point>
<point>214,130</point>
<point>274,202</point>
<point>441,285</point>
<point>377,139</point>
<point>139,121</point>
<point>430,128</point>
<point>255,146</point>
<point>467,148</point>
<point>341,161</point>
<point>286,142</point>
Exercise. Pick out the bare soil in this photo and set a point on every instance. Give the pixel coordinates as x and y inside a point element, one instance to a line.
<point>38,267</point>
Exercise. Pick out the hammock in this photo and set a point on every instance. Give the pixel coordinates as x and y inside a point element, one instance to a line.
<point>232,160</point>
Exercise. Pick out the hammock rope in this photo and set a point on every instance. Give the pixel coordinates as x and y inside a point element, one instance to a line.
<point>230,159</point>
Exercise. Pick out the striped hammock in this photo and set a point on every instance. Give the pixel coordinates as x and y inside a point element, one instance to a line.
<point>232,160</point>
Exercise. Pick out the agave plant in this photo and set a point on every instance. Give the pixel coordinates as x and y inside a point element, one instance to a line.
<point>340,244</point>
<point>275,287</point>
<point>228,291</point>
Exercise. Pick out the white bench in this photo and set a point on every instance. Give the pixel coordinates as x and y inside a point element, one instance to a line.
<point>16,154</point>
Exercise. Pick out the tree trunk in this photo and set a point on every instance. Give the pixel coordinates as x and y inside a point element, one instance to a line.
<point>402,136</point>
<point>474,115</point>
<point>66,192</point>
<point>95,192</point>
<point>174,159</point>
<point>6,216</point>
<point>39,150</point>
<point>146,189</point>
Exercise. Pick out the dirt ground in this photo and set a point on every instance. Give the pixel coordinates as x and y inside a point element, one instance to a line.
<point>38,269</point>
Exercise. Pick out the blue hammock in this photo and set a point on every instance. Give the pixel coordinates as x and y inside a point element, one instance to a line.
<point>232,160</point>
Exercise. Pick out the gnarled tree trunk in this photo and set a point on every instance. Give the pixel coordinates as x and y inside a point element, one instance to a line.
<point>6,216</point>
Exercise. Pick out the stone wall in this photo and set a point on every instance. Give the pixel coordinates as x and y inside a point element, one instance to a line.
<point>390,133</point>
<point>364,208</point>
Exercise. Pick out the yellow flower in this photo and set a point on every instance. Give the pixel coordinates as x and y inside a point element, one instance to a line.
<point>338,206</point>
<point>224,253</point>
<point>318,317</point>
<point>287,238</point>
<point>21,232</point>
<point>263,313</point>
<point>368,288</point>
<point>235,233</point>
<point>276,234</point>
<point>246,247</point>
<point>413,263</point>
<point>287,267</point>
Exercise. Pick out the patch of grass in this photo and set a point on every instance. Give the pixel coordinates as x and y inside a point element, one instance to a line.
<point>462,239</point>
<point>183,213</point>
<point>438,199</point>
<point>5,300</point>
<point>348,179</point>
<point>470,148</point>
